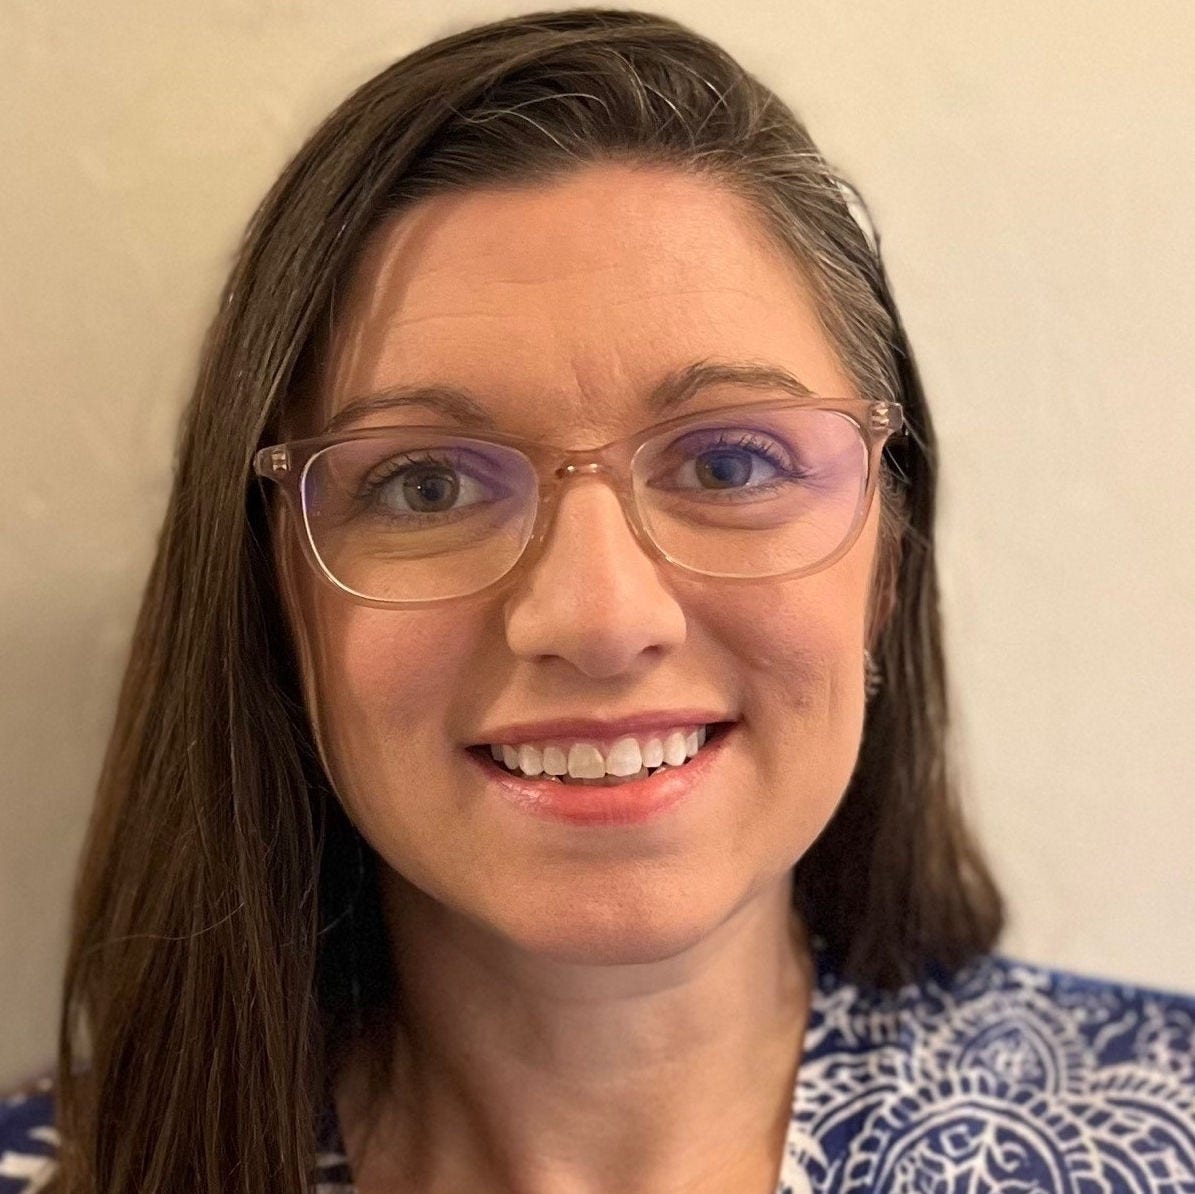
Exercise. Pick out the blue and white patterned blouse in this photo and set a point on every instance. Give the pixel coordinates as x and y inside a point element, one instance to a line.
<point>1011,1077</point>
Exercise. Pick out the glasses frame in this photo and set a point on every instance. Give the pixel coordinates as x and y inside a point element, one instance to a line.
<point>287,463</point>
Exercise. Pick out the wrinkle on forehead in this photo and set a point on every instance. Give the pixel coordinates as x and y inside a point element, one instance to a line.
<point>425,271</point>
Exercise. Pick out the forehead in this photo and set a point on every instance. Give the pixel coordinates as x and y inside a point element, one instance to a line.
<point>561,307</point>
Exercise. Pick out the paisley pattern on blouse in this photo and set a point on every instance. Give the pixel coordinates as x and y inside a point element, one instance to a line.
<point>1011,1078</point>
<point>1006,1078</point>
<point>28,1140</point>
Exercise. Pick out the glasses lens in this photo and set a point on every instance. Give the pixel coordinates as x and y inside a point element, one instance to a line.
<point>416,516</point>
<point>420,516</point>
<point>757,494</point>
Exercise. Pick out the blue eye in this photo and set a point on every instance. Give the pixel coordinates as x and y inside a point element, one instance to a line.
<point>727,463</point>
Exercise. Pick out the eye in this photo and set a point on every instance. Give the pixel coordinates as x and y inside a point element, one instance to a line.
<point>729,460</point>
<point>423,486</point>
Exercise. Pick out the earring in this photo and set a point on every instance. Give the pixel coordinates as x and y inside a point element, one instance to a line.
<point>873,678</point>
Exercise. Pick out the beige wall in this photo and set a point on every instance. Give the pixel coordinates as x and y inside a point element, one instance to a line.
<point>1031,171</point>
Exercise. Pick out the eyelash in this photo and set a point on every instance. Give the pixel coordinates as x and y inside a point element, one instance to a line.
<point>762,447</point>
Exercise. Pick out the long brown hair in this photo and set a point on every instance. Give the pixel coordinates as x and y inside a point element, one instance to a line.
<point>227,944</point>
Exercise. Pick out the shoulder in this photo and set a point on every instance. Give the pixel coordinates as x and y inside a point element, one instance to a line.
<point>1003,1006</point>
<point>29,1144</point>
<point>1016,1071</point>
<point>28,1140</point>
<point>1092,1026</point>
<point>1027,1023</point>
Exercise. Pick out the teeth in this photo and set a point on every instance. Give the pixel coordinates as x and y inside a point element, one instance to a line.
<point>626,759</point>
<point>585,762</point>
<point>531,762</point>
<point>653,752</point>
<point>675,751</point>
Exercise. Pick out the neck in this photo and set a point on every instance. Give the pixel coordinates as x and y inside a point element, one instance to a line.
<point>521,1072</point>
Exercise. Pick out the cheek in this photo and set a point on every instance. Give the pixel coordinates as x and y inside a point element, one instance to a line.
<point>391,682</point>
<point>805,690</point>
<point>799,653</point>
<point>798,645</point>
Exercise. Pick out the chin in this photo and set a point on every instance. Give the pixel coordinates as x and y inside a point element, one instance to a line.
<point>608,934</point>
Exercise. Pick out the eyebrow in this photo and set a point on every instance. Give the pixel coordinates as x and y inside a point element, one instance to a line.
<point>677,387</point>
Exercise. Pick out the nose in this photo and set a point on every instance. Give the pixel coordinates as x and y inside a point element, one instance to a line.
<point>594,596</point>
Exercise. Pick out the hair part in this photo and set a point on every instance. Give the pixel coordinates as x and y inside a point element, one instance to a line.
<point>227,943</point>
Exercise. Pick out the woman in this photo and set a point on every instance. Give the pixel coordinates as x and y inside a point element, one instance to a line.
<point>531,771</point>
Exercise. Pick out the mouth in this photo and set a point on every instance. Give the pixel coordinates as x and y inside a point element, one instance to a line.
<point>612,801</point>
<point>714,733</point>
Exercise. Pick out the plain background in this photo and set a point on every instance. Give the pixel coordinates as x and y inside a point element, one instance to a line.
<point>1030,169</point>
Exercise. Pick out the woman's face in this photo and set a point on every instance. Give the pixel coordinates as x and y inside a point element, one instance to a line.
<point>559,309</point>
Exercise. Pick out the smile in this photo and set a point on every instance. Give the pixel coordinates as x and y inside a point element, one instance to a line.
<point>609,799</point>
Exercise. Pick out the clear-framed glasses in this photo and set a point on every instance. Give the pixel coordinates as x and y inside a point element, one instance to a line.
<point>412,516</point>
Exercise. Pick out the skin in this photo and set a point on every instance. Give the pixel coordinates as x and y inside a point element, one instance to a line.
<point>585,1010</point>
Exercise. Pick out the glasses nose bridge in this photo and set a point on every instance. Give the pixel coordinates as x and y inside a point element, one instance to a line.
<point>590,467</point>
<point>611,461</point>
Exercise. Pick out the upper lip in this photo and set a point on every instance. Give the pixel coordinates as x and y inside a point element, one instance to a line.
<point>587,727</point>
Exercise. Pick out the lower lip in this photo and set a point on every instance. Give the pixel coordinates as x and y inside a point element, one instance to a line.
<point>628,803</point>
